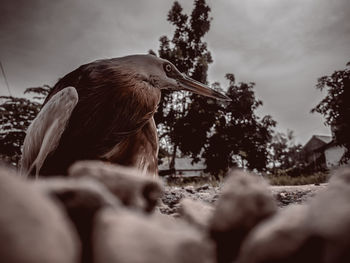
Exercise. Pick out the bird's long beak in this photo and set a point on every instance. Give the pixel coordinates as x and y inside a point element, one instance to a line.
<point>186,83</point>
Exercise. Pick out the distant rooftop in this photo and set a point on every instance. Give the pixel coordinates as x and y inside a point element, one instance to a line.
<point>324,138</point>
<point>317,141</point>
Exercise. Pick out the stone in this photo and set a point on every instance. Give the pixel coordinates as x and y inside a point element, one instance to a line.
<point>81,191</point>
<point>282,238</point>
<point>203,187</point>
<point>81,198</point>
<point>196,212</point>
<point>133,189</point>
<point>316,232</point>
<point>190,189</point>
<point>341,175</point>
<point>244,202</point>
<point>329,218</point>
<point>172,197</point>
<point>33,228</point>
<point>131,237</point>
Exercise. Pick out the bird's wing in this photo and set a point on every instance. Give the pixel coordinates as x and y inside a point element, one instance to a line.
<point>44,133</point>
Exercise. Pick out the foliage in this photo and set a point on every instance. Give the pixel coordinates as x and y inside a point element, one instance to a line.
<point>199,126</point>
<point>239,134</point>
<point>284,155</point>
<point>225,134</point>
<point>204,179</point>
<point>335,107</point>
<point>15,116</point>
<point>40,92</point>
<point>187,51</point>
<point>316,178</point>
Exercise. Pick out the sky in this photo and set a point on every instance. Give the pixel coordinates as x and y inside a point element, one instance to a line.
<point>283,46</point>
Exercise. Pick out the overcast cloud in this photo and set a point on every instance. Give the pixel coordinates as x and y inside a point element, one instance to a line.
<point>281,45</point>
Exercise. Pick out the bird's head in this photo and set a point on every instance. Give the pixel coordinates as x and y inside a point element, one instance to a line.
<point>162,74</point>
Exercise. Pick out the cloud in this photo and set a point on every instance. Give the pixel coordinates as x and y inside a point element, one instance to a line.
<point>42,40</point>
<point>281,45</point>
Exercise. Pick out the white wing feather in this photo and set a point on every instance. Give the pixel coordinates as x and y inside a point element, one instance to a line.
<point>44,133</point>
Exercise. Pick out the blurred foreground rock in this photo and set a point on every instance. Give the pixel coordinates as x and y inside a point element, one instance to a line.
<point>329,219</point>
<point>279,239</point>
<point>33,228</point>
<point>244,202</point>
<point>82,199</point>
<point>111,209</point>
<point>134,190</point>
<point>195,212</point>
<point>318,231</point>
<point>126,236</point>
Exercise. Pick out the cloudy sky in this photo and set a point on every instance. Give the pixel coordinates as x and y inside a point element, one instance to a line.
<point>281,45</point>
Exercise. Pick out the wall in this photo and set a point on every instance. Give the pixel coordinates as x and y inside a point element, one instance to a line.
<point>308,149</point>
<point>333,155</point>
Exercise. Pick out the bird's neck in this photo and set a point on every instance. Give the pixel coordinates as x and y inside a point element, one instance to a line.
<point>139,150</point>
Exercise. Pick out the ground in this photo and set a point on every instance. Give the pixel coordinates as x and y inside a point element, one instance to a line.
<point>284,195</point>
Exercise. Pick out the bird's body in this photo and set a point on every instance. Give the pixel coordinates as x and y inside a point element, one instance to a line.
<point>109,122</point>
<point>112,119</point>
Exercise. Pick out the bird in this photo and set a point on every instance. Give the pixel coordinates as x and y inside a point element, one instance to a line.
<point>104,110</point>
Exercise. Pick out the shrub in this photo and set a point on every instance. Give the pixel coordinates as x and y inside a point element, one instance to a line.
<point>317,178</point>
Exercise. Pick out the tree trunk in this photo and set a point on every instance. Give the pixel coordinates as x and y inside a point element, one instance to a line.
<point>173,157</point>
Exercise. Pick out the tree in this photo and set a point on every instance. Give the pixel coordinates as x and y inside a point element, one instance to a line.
<point>240,137</point>
<point>222,133</point>
<point>187,51</point>
<point>284,154</point>
<point>335,107</point>
<point>15,116</point>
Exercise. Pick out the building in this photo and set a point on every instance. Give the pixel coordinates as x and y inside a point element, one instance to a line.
<point>333,154</point>
<point>320,152</point>
<point>184,167</point>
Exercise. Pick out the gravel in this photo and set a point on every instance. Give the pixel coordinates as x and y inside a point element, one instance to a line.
<point>284,195</point>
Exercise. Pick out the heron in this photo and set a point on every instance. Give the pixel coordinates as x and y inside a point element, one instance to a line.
<point>104,110</point>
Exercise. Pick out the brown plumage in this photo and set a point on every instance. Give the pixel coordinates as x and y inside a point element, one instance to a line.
<point>111,119</point>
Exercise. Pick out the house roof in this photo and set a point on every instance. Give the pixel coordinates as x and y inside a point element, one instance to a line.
<point>324,138</point>
<point>317,143</point>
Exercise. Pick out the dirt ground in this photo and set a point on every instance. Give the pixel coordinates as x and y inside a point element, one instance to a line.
<point>284,195</point>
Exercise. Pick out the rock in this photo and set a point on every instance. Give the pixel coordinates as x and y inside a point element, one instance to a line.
<point>207,197</point>
<point>285,198</point>
<point>244,202</point>
<point>190,189</point>
<point>129,237</point>
<point>82,198</point>
<point>316,232</point>
<point>197,213</point>
<point>167,210</point>
<point>329,219</point>
<point>341,175</point>
<point>133,189</point>
<point>282,238</point>
<point>173,195</point>
<point>170,201</point>
<point>78,191</point>
<point>203,187</point>
<point>34,228</point>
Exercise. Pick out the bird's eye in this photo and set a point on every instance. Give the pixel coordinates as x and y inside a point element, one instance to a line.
<point>168,68</point>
